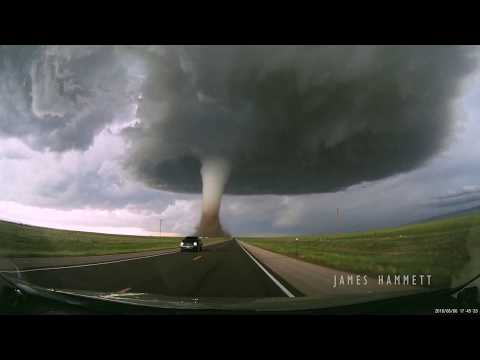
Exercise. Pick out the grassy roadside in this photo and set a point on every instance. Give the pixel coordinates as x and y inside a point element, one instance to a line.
<point>438,248</point>
<point>29,241</point>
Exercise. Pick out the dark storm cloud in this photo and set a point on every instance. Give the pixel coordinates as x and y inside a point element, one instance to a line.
<point>293,119</point>
<point>288,119</point>
<point>59,97</point>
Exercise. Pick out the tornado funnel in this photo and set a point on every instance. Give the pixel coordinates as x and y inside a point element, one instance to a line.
<point>215,172</point>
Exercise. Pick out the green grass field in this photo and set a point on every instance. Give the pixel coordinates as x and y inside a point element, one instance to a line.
<point>437,248</point>
<point>28,241</point>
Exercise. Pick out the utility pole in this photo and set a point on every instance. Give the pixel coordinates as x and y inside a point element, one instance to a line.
<point>160,227</point>
<point>338,218</point>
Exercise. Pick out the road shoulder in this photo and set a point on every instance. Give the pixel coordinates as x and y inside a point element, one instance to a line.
<point>311,279</point>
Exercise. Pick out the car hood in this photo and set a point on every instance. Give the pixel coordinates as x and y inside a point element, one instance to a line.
<point>86,298</point>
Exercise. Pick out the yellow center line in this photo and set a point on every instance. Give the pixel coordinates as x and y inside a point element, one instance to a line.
<point>197,257</point>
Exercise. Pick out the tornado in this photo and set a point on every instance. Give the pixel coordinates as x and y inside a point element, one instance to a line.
<point>289,120</point>
<point>214,172</point>
<point>241,120</point>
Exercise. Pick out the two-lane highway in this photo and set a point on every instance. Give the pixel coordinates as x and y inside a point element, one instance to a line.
<point>221,270</point>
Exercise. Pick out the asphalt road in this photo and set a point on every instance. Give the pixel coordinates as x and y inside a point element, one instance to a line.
<point>221,270</point>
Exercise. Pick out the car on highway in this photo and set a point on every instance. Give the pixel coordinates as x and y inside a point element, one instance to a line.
<point>191,243</point>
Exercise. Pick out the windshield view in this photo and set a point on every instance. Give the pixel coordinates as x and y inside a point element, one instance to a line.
<point>240,179</point>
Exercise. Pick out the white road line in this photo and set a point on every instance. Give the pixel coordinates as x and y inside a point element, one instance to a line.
<point>283,288</point>
<point>86,265</point>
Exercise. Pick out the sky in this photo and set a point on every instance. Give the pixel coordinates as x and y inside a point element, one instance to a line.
<point>75,176</point>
